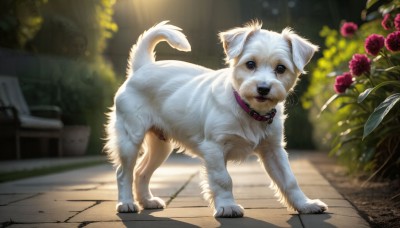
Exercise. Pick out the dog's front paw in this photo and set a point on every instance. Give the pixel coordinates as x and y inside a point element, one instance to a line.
<point>315,206</point>
<point>153,203</point>
<point>229,211</point>
<point>127,207</point>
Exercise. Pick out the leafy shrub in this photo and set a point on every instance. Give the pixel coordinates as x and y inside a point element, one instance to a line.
<point>362,120</point>
<point>56,51</point>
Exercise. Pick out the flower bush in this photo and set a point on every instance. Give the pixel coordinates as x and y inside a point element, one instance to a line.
<point>348,29</point>
<point>359,64</point>
<point>374,43</point>
<point>387,22</point>
<point>343,82</point>
<point>360,114</point>
<point>392,42</point>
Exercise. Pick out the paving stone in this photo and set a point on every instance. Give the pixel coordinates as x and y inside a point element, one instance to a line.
<point>251,203</point>
<point>182,212</point>
<point>45,187</point>
<point>108,186</point>
<point>46,225</point>
<point>7,198</point>
<point>49,185</point>
<point>105,211</point>
<point>166,191</point>
<point>171,223</point>
<point>260,203</point>
<point>51,211</point>
<point>192,189</point>
<point>336,217</point>
<point>39,163</point>
<point>264,218</point>
<point>51,201</point>
<point>253,192</point>
<point>332,203</point>
<point>318,192</point>
<point>313,180</point>
<point>88,197</point>
<point>202,217</point>
<point>93,195</point>
<point>247,201</point>
<point>208,222</point>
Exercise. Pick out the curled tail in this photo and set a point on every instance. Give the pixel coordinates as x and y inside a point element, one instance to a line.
<point>142,52</point>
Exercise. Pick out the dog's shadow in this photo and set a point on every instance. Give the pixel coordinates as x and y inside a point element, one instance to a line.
<point>244,222</point>
<point>317,220</point>
<point>295,221</point>
<point>146,219</point>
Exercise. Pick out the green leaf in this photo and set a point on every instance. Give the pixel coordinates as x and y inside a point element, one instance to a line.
<point>379,113</point>
<point>368,155</point>
<point>330,100</point>
<point>371,3</point>
<point>345,104</point>
<point>394,68</point>
<point>332,74</point>
<point>365,94</point>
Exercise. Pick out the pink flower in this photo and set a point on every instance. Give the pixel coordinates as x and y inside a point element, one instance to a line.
<point>387,22</point>
<point>397,22</point>
<point>359,64</point>
<point>348,29</point>
<point>373,44</point>
<point>393,41</point>
<point>342,82</point>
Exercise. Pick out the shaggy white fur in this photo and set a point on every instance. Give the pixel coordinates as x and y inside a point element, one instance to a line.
<point>165,104</point>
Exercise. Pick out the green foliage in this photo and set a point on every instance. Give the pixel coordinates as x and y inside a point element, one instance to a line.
<point>337,53</point>
<point>380,113</point>
<point>65,65</point>
<point>19,22</point>
<point>361,125</point>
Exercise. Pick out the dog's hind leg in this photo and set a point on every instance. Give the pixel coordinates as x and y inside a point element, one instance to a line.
<point>156,151</point>
<point>125,140</point>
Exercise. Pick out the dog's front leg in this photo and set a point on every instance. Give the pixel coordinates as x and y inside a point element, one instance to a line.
<point>277,165</point>
<point>218,189</point>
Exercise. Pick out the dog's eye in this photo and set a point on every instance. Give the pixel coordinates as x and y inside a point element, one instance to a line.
<point>280,69</point>
<point>251,65</point>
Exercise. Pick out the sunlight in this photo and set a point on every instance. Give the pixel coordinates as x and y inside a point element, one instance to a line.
<point>146,11</point>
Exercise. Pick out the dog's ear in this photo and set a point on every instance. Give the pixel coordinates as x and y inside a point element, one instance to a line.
<point>302,49</point>
<point>234,40</point>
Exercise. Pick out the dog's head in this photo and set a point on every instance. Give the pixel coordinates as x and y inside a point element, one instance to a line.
<point>265,64</point>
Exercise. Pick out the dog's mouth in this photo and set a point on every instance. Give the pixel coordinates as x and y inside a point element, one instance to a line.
<point>262,99</point>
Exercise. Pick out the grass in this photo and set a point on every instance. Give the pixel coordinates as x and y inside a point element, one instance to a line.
<point>17,175</point>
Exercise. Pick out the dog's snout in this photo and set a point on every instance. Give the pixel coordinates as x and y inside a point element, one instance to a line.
<point>263,90</point>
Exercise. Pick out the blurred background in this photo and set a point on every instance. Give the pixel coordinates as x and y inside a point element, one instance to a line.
<point>72,54</point>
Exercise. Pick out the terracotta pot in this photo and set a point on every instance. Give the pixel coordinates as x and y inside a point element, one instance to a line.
<point>75,140</point>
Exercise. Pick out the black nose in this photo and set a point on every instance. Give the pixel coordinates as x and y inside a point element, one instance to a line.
<point>263,90</point>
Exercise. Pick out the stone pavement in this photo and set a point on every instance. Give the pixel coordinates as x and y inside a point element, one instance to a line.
<point>40,163</point>
<point>87,197</point>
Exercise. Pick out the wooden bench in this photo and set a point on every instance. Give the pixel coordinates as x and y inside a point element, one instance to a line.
<point>18,121</point>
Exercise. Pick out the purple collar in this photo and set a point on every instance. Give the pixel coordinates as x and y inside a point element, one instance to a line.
<point>269,117</point>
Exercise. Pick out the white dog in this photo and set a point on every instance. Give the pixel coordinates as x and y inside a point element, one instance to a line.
<point>217,115</point>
